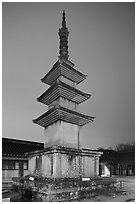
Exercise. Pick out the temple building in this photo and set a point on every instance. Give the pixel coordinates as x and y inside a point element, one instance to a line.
<point>63,155</point>
<point>14,160</point>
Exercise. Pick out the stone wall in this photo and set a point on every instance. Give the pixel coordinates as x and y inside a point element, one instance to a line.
<point>47,189</point>
<point>8,174</point>
<point>61,162</point>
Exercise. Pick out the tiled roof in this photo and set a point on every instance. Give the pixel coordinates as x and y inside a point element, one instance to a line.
<point>18,148</point>
<point>120,157</point>
<point>60,89</point>
<point>62,68</point>
<point>64,114</point>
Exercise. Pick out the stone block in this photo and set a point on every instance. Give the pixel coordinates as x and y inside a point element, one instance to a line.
<point>62,134</point>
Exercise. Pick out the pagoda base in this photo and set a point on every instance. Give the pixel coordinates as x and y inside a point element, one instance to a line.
<point>64,162</point>
<point>60,190</point>
<point>64,174</point>
<point>39,189</point>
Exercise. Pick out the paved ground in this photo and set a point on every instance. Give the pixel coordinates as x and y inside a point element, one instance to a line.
<point>127,194</point>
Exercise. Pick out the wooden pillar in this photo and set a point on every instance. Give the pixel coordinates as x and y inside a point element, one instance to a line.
<point>95,167</point>
<point>21,169</point>
<point>110,170</point>
<point>118,169</point>
<point>80,162</point>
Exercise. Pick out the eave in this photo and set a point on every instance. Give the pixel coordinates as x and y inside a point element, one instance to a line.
<point>65,150</point>
<point>63,114</point>
<point>24,158</point>
<point>60,89</point>
<point>61,68</point>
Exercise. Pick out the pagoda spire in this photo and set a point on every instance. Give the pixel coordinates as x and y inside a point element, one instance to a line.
<point>63,35</point>
<point>64,20</point>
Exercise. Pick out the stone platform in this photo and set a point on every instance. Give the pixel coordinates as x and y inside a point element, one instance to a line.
<point>39,189</point>
<point>64,162</point>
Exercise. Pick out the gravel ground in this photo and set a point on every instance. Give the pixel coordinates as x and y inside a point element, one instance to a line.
<point>127,193</point>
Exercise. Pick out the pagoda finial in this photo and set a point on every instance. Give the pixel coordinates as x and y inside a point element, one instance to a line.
<point>63,35</point>
<point>63,20</point>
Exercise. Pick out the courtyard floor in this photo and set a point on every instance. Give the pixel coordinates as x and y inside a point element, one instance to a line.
<point>127,193</point>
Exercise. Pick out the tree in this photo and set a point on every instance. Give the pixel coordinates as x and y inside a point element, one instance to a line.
<point>125,147</point>
<point>101,148</point>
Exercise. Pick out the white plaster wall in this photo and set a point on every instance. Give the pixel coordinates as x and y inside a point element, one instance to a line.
<point>8,174</point>
<point>61,133</point>
<point>32,164</point>
<point>25,173</point>
<point>105,170</point>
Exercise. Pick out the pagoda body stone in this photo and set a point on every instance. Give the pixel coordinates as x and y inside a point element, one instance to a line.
<point>63,155</point>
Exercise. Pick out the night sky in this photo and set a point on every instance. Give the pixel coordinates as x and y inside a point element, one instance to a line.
<point>101,45</point>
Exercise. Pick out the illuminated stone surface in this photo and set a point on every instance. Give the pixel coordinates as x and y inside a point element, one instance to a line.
<point>63,156</point>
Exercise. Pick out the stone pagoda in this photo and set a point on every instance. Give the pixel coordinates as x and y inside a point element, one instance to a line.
<point>63,155</point>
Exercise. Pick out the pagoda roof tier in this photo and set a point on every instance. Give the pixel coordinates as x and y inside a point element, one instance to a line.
<point>63,68</point>
<point>60,89</point>
<point>64,114</point>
